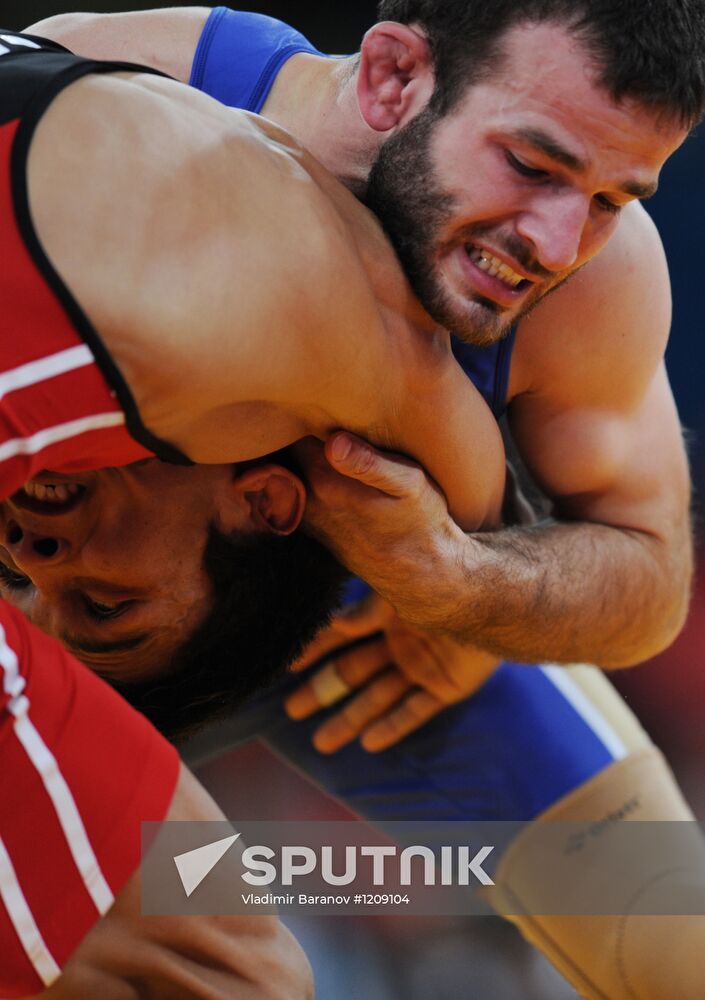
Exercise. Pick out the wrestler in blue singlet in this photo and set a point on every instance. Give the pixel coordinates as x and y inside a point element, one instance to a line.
<point>529,735</point>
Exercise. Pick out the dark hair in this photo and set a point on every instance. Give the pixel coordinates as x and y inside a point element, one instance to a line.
<point>270,595</point>
<point>650,50</point>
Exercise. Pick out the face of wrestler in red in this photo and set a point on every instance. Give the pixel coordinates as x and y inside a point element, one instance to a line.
<point>110,562</point>
<point>500,201</point>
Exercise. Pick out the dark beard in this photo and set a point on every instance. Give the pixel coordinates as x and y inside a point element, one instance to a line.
<point>403,193</point>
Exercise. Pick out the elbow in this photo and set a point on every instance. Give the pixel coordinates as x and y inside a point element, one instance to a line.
<point>65,29</point>
<point>664,617</point>
<point>679,584</point>
<point>675,618</point>
<point>665,632</point>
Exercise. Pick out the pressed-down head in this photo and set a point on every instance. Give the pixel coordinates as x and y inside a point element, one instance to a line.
<point>187,587</point>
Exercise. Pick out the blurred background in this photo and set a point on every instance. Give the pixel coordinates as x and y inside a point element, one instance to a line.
<point>415,959</point>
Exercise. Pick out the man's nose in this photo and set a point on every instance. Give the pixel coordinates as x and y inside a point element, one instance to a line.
<point>28,548</point>
<point>555,226</point>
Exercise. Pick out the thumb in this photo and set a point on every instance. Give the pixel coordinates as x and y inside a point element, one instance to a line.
<point>387,472</point>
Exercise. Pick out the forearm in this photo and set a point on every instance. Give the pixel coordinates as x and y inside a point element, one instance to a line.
<point>163,39</point>
<point>566,591</point>
<point>557,591</point>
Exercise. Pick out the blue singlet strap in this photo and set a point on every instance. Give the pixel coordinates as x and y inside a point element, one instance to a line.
<point>239,55</point>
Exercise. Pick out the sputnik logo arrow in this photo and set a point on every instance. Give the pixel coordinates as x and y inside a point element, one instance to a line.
<point>193,866</point>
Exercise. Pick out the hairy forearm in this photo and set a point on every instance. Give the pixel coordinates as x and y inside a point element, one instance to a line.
<point>561,591</point>
<point>566,591</point>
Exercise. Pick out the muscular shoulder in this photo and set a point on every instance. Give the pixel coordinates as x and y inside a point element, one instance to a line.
<point>138,174</point>
<point>603,334</point>
<point>202,244</point>
<point>163,39</point>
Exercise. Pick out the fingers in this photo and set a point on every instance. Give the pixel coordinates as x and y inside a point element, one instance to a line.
<point>383,712</point>
<point>328,686</point>
<point>352,667</point>
<point>412,713</point>
<point>406,676</point>
<point>351,721</point>
<point>389,473</point>
<point>424,658</point>
<point>355,458</point>
<point>325,642</point>
<point>446,669</point>
<point>355,622</point>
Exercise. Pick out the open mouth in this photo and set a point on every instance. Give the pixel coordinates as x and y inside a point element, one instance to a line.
<point>497,269</point>
<point>49,497</point>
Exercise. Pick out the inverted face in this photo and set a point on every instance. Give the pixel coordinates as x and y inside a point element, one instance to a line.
<point>110,561</point>
<point>498,203</point>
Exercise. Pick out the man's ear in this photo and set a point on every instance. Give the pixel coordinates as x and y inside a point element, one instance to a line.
<point>264,498</point>
<point>395,79</point>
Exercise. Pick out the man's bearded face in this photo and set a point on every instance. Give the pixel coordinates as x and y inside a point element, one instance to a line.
<point>503,198</point>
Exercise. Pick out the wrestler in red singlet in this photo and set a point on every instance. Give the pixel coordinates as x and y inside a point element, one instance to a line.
<point>79,768</point>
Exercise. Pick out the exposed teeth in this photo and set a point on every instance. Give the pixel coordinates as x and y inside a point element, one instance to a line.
<point>51,493</point>
<point>493,266</point>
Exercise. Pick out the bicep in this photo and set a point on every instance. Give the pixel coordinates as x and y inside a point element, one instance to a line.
<point>624,467</point>
<point>244,282</point>
<point>594,417</point>
<point>450,430</point>
<point>162,39</point>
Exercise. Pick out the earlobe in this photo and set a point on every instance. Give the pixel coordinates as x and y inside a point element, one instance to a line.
<point>273,499</point>
<point>395,79</point>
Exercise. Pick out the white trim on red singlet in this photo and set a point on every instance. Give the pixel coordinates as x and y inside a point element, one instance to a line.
<point>47,767</point>
<point>44,368</point>
<point>61,432</point>
<point>34,945</point>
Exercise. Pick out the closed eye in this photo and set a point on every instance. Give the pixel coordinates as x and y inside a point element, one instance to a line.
<point>103,612</point>
<point>15,581</point>
<point>97,610</point>
<point>524,169</point>
<point>534,173</point>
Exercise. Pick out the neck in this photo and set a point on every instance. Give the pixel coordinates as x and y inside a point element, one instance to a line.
<point>315,99</point>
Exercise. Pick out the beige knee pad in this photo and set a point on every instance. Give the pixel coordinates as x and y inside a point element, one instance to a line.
<point>627,956</point>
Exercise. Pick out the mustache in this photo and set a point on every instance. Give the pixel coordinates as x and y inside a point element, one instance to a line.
<point>511,244</point>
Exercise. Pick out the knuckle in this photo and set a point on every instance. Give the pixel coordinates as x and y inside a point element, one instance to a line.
<point>416,482</point>
<point>375,698</point>
<point>404,718</point>
<point>355,713</point>
<point>417,707</point>
<point>354,671</point>
<point>392,686</point>
<point>396,726</point>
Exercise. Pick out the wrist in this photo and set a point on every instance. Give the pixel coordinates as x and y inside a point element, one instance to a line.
<point>439,591</point>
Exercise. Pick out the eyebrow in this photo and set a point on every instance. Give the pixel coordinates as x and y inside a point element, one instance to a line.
<point>551,148</point>
<point>83,645</point>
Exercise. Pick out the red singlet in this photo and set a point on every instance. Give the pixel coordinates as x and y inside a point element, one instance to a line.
<point>79,768</point>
